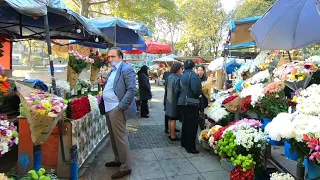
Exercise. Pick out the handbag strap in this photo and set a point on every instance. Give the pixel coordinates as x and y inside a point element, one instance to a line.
<point>188,84</point>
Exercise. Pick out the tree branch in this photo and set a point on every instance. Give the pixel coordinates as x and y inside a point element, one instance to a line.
<point>101,13</point>
<point>76,3</point>
<point>101,2</point>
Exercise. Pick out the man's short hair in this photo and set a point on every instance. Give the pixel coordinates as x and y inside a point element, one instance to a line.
<point>119,51</point>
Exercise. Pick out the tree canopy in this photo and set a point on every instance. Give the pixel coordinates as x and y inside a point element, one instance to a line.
<point>249,8</point>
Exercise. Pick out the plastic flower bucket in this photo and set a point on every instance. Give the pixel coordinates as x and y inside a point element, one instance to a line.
<point>287,153</point>
<point>274,143</point>
<point>265,121</point>
<point>312,169</point>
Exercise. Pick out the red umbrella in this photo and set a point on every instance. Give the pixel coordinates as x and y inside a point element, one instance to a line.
<point>134,51</point>
<point>157,48</point>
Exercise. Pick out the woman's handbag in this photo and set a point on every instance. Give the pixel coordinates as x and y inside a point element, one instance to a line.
<point>189,100</point>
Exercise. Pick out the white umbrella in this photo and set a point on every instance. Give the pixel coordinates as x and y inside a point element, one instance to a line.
<point>288,24</point>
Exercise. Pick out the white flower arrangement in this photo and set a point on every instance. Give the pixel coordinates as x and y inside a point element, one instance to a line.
<point>250,137</point>
<point>281,176</point>
<point>259,60</point>
<point>281,127</point>
<point>61,84</point>
<point>314,59</point>
<point>256,92</point>
<point>93,103</point>
<point>308,102</point>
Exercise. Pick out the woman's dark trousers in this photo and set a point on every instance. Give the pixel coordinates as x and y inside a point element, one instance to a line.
<point>190,116</point>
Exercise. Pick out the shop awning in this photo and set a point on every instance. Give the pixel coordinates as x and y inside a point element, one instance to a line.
<point>239,33</point>
<point>157,48</point>
<point>25,19</point>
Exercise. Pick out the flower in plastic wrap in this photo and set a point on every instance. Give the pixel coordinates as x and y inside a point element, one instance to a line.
<point>256,92</point>
<point>281,127</point>
<point>47,104</point>
<point>217,113</point>
<point>260,77</point>
<point>60,84</point>
<point>93,103</point>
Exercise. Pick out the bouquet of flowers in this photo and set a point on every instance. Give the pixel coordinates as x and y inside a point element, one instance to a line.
<point>256,92</point>
<point>270,62</point>
<point>203,135</point>
<point>100,60</point>
<point>78,108</point>
<point>272,104</point>
<point>216,113</point>
<point>281,176</point>
<point>77,62</point>
<point>8,135</point>
<point>308,101</point>
<point>260,77</point>
<point>238,173</point>
<point>313,143</point>
<point>5,86</point>
<point>296,74</point>
<point>274,87</point>
<point>232,103</point>
<point>43,110</point>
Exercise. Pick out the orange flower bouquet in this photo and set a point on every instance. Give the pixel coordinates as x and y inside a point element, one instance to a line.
<point>5,87</point>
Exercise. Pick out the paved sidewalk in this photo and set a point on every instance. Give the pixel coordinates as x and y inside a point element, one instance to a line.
<point>154,156</point>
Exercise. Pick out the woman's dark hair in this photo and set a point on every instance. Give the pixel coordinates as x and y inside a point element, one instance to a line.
<point>204,68</point>
<point>189,64</point>
<point>144,69</point>
<point>119,51</point>
<point>175,67</point>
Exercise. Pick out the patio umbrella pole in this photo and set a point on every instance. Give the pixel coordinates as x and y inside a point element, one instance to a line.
<point>115,34</point>
<point>60,123</point>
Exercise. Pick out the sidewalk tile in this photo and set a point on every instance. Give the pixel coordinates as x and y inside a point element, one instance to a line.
<point>143,155</point>
<point>167,153</point>
<point>176,167</point>
<point>205,164</point>
<point>216,175</point>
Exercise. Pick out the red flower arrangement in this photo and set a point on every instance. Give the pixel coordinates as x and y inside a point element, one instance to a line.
<point>79,107</point>
<point>238,174</point>
<point>229,99</point>
<point>246,104</point>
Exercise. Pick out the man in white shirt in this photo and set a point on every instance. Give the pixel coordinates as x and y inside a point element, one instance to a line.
<point>118,104</point>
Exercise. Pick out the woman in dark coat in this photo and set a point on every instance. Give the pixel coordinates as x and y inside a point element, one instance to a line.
<point>144,91</point>
<point>171,96</point>
<point>191,88</point>
<point>203,101</point>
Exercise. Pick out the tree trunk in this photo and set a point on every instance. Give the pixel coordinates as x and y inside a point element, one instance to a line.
<point>85,5</point>
<point>29,55</point>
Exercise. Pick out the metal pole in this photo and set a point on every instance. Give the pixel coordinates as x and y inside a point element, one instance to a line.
<point>46,27</point>
<point>60,124</point>
<point>115,34</point>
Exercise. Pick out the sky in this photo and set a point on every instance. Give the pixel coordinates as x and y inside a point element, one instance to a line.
<point>228,5</point>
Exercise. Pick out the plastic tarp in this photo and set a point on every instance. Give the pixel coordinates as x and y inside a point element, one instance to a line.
<point>169,58</point>
<point>241,46</point>
<point>128,47</point>
<point>216,64</point>
<point>28,14</point>
<point>231,66</point>
<point>239,31</point>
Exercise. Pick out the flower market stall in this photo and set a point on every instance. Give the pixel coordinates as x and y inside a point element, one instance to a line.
<point>268,118</point>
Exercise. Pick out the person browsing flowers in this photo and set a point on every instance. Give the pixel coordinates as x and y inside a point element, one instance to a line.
<point>118,104</point>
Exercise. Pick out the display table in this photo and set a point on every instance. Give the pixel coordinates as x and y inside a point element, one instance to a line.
<point>86,133</point>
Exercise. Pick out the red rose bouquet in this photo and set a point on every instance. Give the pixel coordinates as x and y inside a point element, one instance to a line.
<point>78,108</point>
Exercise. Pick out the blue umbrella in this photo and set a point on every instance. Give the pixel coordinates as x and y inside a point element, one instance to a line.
<point>288,24</point>
<point>118,31</point>
<point>231,66</point>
